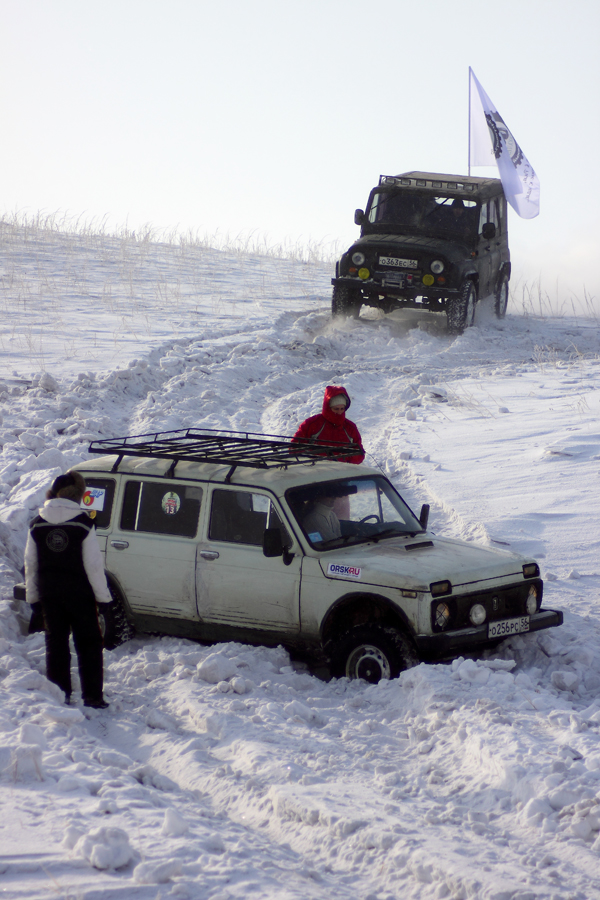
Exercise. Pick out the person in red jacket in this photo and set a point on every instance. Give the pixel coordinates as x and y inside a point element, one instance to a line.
<point>331,425</point>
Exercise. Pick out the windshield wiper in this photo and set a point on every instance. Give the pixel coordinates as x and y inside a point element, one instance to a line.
<point>386,533</point>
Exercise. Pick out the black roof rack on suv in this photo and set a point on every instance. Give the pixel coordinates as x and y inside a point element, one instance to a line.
<point>231,448</point>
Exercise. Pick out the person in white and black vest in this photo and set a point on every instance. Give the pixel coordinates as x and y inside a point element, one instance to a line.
<point>64,572</point>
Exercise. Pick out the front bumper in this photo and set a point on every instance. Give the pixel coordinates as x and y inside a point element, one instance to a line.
<point>376,287</point>
<point>449,643</point>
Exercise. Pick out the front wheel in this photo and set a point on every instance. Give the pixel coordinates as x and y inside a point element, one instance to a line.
<point>501,298</point>
<point>114,624</point>
<point>461,310</point>
<point>345,301</point>
<point>373,653</point>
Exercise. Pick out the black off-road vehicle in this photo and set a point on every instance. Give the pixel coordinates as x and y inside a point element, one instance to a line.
<point>428,241</point>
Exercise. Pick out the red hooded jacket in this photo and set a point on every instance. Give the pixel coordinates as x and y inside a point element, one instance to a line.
<point>332,428</point>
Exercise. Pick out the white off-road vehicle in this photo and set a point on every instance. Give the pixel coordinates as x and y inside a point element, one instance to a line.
<point>222,536</point>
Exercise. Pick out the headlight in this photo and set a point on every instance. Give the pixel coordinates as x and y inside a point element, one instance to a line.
<point>437,267</point>
<point>358,259</point>
<point>442,615</point>
<point>477,614</point>
<point>532,600</point>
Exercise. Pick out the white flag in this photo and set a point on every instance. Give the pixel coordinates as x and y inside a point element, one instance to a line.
<point>521,184</point>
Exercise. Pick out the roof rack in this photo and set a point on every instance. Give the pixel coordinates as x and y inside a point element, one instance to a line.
<point>230,448</point>
<point>429,180</point>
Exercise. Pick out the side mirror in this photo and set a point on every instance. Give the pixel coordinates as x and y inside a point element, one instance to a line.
<point>424,516</point>
<point>273,545</point>
<point>359,216</point>
<point>488,231</point>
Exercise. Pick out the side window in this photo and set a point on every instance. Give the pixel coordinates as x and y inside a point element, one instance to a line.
<point>501,213</point>
<point>483,216</point>
<point>493,213</point>
<point>98,499</point>
<point>161,507</point>
<point>241,517</point>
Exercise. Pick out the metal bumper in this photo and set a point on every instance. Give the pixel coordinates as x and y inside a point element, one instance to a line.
<point>449,643</point>
<point>376,288</point>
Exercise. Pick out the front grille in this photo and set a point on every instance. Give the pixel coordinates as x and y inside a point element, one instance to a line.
<point>510,603</point>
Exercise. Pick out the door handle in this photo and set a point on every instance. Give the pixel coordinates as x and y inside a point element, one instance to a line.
<point>209,554</point>
<point>119,545</point>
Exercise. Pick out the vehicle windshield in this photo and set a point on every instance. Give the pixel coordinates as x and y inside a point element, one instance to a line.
<point>351,511</point>
<point>412,210</point>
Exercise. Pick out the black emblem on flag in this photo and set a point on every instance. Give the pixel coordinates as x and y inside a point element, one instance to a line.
<point>499,130</point>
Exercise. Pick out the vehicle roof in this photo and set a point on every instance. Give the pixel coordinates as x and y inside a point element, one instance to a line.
<point>277,480</point>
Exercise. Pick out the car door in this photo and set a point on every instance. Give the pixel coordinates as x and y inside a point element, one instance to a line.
<point>152,548</point>
<point>236,583</point>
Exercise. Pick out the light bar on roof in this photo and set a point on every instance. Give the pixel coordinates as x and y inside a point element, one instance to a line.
<point>423,182</point>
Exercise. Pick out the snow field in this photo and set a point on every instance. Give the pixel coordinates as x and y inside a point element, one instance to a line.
<point>229,771</point>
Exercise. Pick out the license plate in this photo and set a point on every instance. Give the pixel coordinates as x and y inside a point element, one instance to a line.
<point>398,263</point>
<point>508,626</point>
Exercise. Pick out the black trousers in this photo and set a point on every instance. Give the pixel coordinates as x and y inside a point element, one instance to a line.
<point>78,614</point>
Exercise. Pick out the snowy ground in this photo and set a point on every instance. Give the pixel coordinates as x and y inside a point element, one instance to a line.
<point>227,771</point>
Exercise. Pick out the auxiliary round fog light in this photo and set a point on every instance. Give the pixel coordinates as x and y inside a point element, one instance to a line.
<point>428,280</point>
<point>532,601</point>
<point>442,615</point>
<point>364,274</point>
<point>358,259</point>
<point>477,614</point>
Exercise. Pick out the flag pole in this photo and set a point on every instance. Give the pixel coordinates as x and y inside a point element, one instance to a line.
<point>469,151</point>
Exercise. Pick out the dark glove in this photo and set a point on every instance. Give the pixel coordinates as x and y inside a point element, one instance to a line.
<point>36,623</point>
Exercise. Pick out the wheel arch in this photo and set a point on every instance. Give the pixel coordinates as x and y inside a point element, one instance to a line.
<point>505,269</point>
<point>364,608</point>
<point>474,277</point>
<point>115,586</point>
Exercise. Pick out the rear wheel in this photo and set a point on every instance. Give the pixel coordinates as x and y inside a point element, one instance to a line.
<point>461,310</point>
<point>501,297</point>
<point>346,301</point>
<point>372,653</point>
<point>112,618</point>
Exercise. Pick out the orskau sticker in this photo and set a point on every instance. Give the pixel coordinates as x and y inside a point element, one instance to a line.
<point>346,571</point>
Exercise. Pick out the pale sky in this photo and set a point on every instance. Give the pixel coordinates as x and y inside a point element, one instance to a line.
<point>278,116</point>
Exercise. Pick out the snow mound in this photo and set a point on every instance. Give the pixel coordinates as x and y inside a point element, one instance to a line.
<point>105,848</point>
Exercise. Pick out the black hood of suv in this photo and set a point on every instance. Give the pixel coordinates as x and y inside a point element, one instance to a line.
<point>452,249</point>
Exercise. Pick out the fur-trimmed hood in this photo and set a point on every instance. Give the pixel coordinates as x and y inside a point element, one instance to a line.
<point>332,391</point>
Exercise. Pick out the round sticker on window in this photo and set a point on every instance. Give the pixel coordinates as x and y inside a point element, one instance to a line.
<point>171,503</point>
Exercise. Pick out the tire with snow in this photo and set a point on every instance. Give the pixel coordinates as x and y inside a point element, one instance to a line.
<point>345,301</point>
<point>112,618</point>
<point>372,653</point>
<point>461,310</point>
<point>501,297</point>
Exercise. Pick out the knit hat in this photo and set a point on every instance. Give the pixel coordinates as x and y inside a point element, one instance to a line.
<point>335,400</point>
